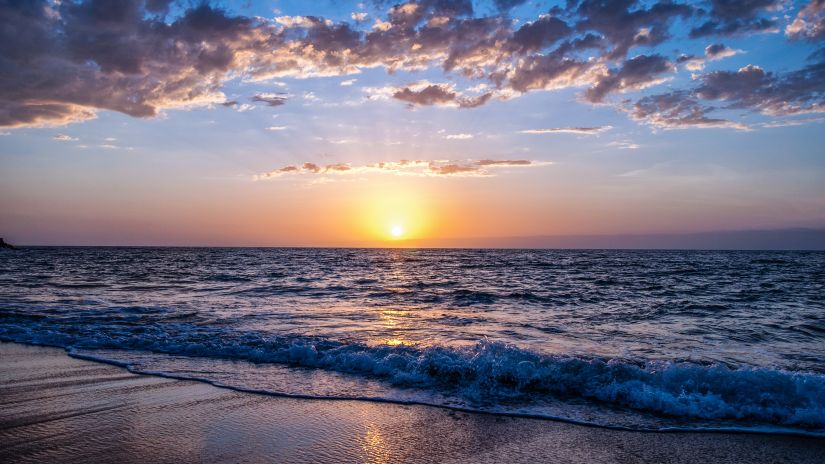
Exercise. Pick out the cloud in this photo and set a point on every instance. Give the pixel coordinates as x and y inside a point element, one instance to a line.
<point>493,163</point>
<point>458,136</point>
<point>539,34</point>
<point>439,95</point>
<point>677,110</point>
<point>751,87</point>
<point>691,62</point>
<point>360,16</point>
<point>459,170</point>
<point>624,145</point>
<point>271,99</point>
<point>635,74</point>
<point>137,59</point>
<point>36,113</point>
<point>569,130</point>
<point>239,107</point>
<point>727,18</point>
<point>348,82</point>
<point>551,72</point>
<point>713,52</point>
<point>310,97</point>
<point>626,24</point>
<point>65,138</point>
<point>719,51</point>
<point>793,122</point>
<point>809,23</point>
<point>340,167</point>
<point>277,173</point>
<point>65,61</point>
<point>277,128</point>
<point>421,168</point>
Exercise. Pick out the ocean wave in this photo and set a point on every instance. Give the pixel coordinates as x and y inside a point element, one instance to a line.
<point>490,373</point>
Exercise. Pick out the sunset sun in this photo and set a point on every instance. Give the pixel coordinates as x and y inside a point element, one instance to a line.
<point>396,231</point>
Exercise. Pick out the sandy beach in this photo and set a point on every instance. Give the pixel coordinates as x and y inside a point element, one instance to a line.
<point>59,409</point>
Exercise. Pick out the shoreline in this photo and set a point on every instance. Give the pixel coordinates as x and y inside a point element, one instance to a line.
<point>64,408</point>
<point>379,400</point>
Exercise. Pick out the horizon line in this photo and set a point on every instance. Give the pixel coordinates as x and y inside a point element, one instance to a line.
<point>788,239</point>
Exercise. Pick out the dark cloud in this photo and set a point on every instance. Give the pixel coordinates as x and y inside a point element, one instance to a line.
<point>676,110</point>
<point>548,72</point>
<point>742,86</point>
<point>62,62</point>
<point>430,95</point>
<point>684,58</point>
<point>636,73</point>
<point>35,113</point>
<point>626,23</point>
<point>270,99</point>
<point>412,13</point>
<point>751,87</point>
<point>718,51</point>
<point>691,62</point>
<point>737,17</point>
<point>435,94</point>
<point>476,45</point>
<point>539,34</point>
<point>714,49</point>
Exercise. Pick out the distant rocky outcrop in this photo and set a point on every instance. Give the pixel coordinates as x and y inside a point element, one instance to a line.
<point>3,244</point>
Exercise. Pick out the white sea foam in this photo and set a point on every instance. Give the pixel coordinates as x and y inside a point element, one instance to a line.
<point>490,374</point>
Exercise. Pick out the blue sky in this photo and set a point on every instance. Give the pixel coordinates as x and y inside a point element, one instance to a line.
<point>225,131</point>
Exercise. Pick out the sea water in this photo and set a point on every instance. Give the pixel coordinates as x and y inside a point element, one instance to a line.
<point>653,340</point>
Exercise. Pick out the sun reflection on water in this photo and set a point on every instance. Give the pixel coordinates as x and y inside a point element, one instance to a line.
<point>394,322</point>
<point>375,446</point>
<point>396,342</point>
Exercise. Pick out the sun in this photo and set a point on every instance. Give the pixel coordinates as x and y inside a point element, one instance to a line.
<point>396,231</point>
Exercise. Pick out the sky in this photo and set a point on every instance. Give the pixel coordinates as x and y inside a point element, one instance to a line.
<point>426,123</point>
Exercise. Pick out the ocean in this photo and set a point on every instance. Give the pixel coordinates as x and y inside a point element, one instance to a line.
<point>646,340</point>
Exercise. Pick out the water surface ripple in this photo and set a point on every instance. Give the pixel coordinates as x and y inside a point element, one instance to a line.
<point>639,339</point>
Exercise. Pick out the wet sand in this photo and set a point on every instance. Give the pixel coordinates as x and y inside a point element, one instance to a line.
<point>54,408</point>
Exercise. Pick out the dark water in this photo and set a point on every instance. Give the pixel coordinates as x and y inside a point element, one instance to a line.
<point>639,339</point>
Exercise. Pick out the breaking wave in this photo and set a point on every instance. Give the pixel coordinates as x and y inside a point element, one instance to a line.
<point>490,374</point>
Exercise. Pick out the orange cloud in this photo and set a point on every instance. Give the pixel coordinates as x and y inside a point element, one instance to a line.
<point>465,168</point>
